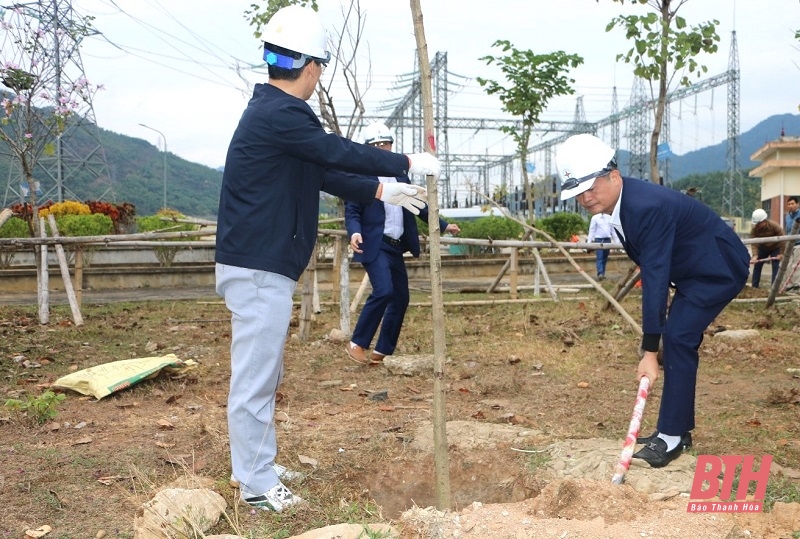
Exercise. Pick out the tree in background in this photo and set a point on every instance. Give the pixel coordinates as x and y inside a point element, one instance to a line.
<point>38,108</point>
<point>664,47</point>
<point>533,79</point>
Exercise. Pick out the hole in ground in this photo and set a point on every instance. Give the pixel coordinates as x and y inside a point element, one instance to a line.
<point>481,476</point>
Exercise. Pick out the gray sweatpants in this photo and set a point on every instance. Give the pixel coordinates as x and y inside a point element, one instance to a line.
<point>261,306</point>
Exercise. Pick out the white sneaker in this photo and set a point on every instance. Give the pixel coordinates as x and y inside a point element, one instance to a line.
<point>284,474</point>
<point>275,499</point>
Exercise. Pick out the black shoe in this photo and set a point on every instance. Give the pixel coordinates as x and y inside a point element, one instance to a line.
<point>685,443</point>
<point>656,455</point>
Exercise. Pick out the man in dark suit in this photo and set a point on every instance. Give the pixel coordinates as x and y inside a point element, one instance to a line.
<point>677,242</point>
<point>379,235</point>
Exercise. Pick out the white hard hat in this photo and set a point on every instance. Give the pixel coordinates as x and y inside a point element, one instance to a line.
<point>759,215</point>
<point>377,132</point>
<point>580,160</point>
<point>300,30</point>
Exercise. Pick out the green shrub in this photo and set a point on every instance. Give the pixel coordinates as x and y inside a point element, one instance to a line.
<point>563,225</point>
<point>95,224</point>
<point>155,223</point>
<point>15,228</point>
<point>493,226</point>
<point>490,227</point>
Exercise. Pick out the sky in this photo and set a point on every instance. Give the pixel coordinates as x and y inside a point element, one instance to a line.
<point>186,68</point>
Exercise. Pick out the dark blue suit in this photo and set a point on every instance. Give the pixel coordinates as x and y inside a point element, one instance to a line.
<point>676,239</point>
<point>384,264</point>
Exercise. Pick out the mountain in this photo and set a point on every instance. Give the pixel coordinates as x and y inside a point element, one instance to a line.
<point>714,158</point>
<point>135,174</point>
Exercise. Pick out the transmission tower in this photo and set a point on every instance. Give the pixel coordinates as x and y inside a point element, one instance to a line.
<point>78,152</point>
<point>407,114</point>
<point>614,125</point>
<point>664,139</point>
<point>638,129</point>
<point>580,112</point>
<point>732,195</point>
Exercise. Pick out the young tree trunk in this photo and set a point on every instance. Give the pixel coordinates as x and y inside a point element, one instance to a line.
<point>441,461</point>
<point>661,102</point>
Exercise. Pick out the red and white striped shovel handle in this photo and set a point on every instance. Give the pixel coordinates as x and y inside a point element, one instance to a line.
<point>633,432</point>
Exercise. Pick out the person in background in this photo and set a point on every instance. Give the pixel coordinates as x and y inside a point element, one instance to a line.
<point>600,231</point>
<point>792,282</point>
<point>379,235</point>
<point>677,242</point>
<point>772,251</point>
<point>278,161</point>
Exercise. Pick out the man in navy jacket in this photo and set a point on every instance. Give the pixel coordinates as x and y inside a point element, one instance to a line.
<point>278,161</point>
<point>677,242</point>
<point>379,235</point>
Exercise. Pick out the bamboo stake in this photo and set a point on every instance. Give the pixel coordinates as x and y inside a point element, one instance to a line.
<point>359,293</point>
<point>440,456</point>
<point>79,275</point>
<point>62,262</point>
<point>513,266</point>
<point>336,267</point>
<point>344,289</point>
<point>620,285</point>
<point>543,271</point>
<point>43,279</point>
<point>307,296</point>
<point>315,297</point>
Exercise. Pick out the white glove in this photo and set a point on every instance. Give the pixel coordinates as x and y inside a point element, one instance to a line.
<point>423,163</point>
<point>411,197</point>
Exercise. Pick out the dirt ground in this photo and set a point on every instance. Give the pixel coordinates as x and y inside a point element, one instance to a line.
<point>539,397</point>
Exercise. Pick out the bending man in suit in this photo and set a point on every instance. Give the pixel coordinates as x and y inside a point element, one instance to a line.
<point>379,235</point>
<point>677,242</point>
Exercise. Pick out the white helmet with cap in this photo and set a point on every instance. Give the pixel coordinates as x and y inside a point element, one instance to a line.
<point>377,132</point>
<point>759,215</point>
<point>580,160</point>
<point>297,29</point>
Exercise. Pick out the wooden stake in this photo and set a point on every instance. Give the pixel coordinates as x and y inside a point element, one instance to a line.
<point>787,255</point>
<point>62,262</point>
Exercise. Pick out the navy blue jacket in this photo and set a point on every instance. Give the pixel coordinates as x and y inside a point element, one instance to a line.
<point>278,161</point>
<point>368,218</point>
<point>674,238</point>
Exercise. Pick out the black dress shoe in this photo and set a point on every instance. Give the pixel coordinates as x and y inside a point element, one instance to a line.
<point>656,455</point>
<point>686,439</point>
